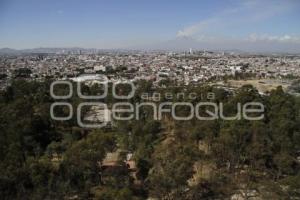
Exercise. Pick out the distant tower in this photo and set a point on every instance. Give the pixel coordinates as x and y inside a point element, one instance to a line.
<point>191,51</point>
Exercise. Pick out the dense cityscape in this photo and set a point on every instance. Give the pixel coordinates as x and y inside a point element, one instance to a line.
<point>183,68</point>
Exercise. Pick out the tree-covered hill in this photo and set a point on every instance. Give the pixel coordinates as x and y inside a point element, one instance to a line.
<point>216,159</point>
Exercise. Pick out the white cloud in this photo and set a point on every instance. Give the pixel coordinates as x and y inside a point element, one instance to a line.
<point>271,38</point>
<point>243,16</point>
<point>196,28</point>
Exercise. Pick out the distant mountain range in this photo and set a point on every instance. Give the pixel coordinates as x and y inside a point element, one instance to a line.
<point>43,50</point>
<point>179,44</point>
<point>58,50</point>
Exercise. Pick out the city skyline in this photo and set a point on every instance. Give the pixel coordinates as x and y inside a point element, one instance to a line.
<point>234,24</point>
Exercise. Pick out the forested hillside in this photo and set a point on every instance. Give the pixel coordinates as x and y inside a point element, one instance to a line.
<point>215,159</point>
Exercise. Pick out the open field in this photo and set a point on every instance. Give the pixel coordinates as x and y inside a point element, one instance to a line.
<point>262,85</point>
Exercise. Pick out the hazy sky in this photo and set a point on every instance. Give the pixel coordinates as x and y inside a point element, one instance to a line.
<point>125,24</point>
